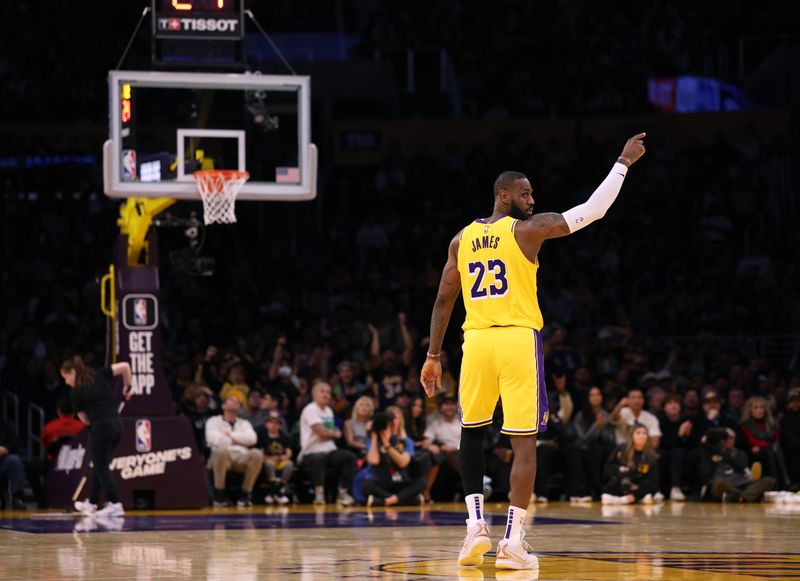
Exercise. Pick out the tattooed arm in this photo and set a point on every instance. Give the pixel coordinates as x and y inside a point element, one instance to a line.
<point>449,288</point>
<point>532,232</point>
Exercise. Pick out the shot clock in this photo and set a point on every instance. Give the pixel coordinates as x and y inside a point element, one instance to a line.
<point>199,19</point>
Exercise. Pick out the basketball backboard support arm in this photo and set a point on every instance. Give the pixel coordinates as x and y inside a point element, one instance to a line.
<point>299,174</point>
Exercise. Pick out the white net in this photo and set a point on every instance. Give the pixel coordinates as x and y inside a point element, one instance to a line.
<point>218,189</point>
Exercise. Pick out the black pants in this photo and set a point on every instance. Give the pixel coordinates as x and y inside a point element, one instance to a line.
<point>105,435</point>
<point>342,460</point>
<point>546,458</point>
<point>618,488</point>
<point>584,467</point>
<point>421,462</point>
<point>407,491</point>
<point>672,463</point>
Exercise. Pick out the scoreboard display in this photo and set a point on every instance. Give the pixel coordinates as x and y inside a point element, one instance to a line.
<point>199,19</point>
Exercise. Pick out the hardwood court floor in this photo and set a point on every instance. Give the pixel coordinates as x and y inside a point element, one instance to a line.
<point>668,542</point>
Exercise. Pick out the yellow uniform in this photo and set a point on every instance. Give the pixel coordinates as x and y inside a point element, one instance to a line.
<point>502,344</point>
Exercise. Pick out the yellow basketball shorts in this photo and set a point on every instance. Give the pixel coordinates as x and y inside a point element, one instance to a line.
<point>505,363</point>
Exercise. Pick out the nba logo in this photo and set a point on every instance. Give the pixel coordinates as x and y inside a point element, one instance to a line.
<point>128,165</point>
<point>140,312</point>
<point>144,441</point>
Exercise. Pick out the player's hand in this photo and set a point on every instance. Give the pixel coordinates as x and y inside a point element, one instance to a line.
<point>431,376</point>
<point>402,319</point>
<point>126,392</point>
<point>634,149</point>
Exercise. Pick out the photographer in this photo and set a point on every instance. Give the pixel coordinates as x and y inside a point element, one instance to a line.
<point>388,457</point>
<point>724,470</point>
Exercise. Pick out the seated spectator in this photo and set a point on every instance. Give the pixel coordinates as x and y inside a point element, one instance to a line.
<point>253,412</point>
<point>724,470</point>
<point>655,399</point>
<point>733,410</point>
<point>632,471</point>
<point>53,435</point>
<point>630,411</point>
<point>347,390</point>
<point>676,441</point>
<point>443,437</point>
<point>762,434</point>
<point>389,455</point>
<point>65,425</point>
<point>390,370</point>
<point>711,415</point>
<point>196,405</point>
<point>790,437</point>
<point>236,385</point>
<point>274,442</point>
<point>422,463</point>
<point>318,451</point>
<point>231,440</point>
<point>594,440</point>
<point>355,428</point>
<point>11,466</point>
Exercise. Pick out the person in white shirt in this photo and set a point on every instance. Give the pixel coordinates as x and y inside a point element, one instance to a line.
<point>442,439</point>
<point>630,411</point>
<point>318,451</point>
<point>231,440</point>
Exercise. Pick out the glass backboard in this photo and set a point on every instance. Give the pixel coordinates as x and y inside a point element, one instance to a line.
<point>165,125</point>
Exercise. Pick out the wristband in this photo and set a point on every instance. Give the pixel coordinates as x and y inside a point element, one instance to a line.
<point>434,355</point>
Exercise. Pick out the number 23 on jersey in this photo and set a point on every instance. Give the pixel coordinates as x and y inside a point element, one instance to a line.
<point>483,286</point>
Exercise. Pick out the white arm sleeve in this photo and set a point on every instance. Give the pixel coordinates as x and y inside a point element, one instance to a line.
<point>599,202</point>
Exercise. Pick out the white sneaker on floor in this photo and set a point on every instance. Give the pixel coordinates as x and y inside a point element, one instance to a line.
<point>476,544</point>
<point>282,499</point>
<point>345,499</point>
<point>647,499</point>
<point>111,509</point>
<point>580,499</point>
<point>658,498</point>
<point>676,494</point>
<point>85,507</point>
<point>515,556</point>
<point>609,499</point>
<point>268,499</point>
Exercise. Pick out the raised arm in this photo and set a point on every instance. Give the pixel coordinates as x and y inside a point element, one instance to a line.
<point>540,227</point>
<point>449,288</point>
<point>408,344</point>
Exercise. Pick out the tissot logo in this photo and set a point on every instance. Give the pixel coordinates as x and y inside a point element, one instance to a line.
<point>229,25</point>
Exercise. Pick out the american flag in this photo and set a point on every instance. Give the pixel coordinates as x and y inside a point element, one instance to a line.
<point>287,175</point>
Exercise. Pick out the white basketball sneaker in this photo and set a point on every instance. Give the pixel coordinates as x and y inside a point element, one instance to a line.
<point>85,507</point>
<point>515,556</point>
<point>476,544</point>
<point>111,509</point>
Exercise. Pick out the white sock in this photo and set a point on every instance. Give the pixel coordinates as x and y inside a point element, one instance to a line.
<point>474,509</point>
<point>516,519</point>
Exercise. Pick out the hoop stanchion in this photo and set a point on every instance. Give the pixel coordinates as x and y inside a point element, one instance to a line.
<point>218,189</point>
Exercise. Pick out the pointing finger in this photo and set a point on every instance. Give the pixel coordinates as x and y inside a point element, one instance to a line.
<point>640,136</point>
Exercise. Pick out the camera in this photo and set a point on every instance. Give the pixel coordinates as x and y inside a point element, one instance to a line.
<point>380,422</point>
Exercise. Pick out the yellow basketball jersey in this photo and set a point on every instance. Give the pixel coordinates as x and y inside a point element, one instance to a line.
<point>498,282</point>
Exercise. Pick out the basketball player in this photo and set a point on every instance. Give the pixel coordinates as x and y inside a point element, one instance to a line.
<point>494,262</point>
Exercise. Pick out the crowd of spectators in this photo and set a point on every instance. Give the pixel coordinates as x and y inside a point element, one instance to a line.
<point>347,302</point>
<point>329,308</point>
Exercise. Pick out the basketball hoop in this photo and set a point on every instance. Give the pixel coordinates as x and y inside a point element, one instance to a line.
<point>218,189</point>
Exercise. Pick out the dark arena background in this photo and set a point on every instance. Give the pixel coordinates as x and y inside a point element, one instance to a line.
<point>267,355</point>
